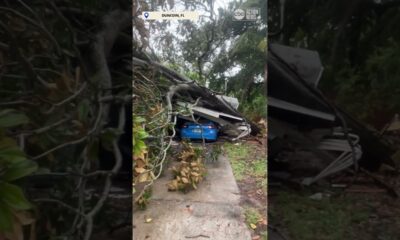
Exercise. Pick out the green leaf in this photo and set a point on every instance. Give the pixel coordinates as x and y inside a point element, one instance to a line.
<point>263,45</point>
<point>142,134</point>
<point>42,170</point>
<point>12,155</point>
<point>83,110</point>
<point>139,147</point>
<point>109,135</point>
<point>19,169</point>
<point>139,119</point>
<point>13,196</point>
<point>12,118</point>
<point>7,142</point>
<point>93,150</point>
<point>9,151</point>
<point>6,218</point>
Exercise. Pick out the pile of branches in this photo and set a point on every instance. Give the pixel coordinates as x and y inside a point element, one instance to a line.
<point>63,64</point>
<point>190,171</point>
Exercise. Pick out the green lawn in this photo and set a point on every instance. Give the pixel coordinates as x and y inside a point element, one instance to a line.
<point>326,219</point>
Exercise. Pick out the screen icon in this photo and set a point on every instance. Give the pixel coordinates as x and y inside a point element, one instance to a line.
<point>252,13</point>
<point>239,14</point>
<point>249,14</point>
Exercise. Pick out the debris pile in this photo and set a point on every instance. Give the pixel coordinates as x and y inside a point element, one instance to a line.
<point>309,137</point>
<point>186,100</point>
<point>165,99</point>
<point>189,172</point>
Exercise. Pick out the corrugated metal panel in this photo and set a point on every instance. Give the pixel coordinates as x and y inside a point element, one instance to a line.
<point>299,109</point>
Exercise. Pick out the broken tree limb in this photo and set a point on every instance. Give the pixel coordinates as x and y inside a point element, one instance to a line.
<point>198,236</point>
<point>179,85</point>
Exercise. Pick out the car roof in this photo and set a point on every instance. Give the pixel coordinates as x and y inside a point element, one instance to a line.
<point>193,123</point>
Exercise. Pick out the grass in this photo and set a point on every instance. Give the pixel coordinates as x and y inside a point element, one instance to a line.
<point>249,165</point>
<point>243,163</point>
<point>252,215</point>
<point>264,235</point>
<point>263,184</point>
<point>237,155</point>
<point>144,200</point>
<point>327,219</point>
<point>259,168</point>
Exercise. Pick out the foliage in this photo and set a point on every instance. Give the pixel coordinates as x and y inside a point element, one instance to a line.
<point>189,172</point>
<point>151,122</point>
<point>55,101</point>
<point>143,200</point>
<point>252,216</point>
<point>215,152</point>
<point>140,162</point>
<point>14,207</point>
<point>358,45</point>
<point>256,107</point>
<point>139,135</point>
<point>217,50</point>
<point>379,78</point>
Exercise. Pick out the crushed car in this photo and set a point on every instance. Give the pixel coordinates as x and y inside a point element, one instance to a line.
<point>206,130</point>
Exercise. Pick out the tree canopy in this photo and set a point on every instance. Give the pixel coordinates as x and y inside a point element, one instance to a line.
<point>358,42</point>
<point>217,51</point>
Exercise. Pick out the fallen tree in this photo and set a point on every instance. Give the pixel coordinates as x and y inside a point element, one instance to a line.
<point>158,92</point>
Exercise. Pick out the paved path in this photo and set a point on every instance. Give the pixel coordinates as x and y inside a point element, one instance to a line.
<point>210,212</point>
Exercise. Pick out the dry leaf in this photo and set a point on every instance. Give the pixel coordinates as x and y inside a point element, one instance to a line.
<point>17,233</point>
<point>143,177</point>
<point>140,170</point>
<point>183,173</point>
<point>253,226</point>
<point>24,217</point>
<point>140,162</point>
<point>263,221</point>
<point>193,164</point>
<point>185,180</point>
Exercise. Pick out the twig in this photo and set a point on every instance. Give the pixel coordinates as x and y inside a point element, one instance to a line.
<point>197,236</point>
<point>45,128</point>
<point>40,26</point>
<point>77,141</point>
<point>161,162</point>
<point>72,209</point>
<point>60,146</point>
<point>106,190</point>
<point>18,102</point>
<point>66,100</point>
<point>21,140</point>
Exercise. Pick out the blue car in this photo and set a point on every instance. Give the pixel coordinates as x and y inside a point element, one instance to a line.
<point>191,130</point>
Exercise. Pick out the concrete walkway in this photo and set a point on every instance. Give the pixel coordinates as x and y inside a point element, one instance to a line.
<point>210,212</point>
